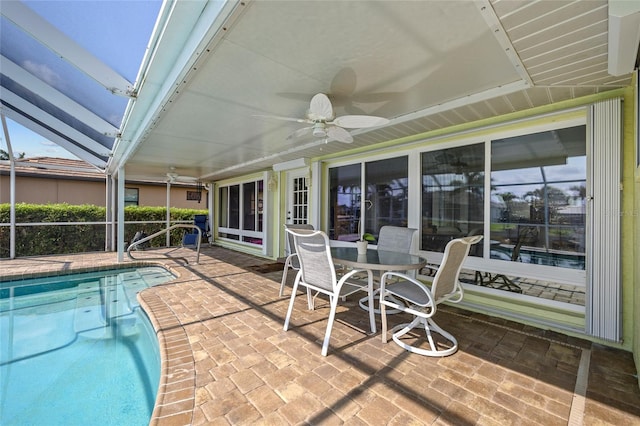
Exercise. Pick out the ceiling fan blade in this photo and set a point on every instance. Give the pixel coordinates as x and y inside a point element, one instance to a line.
<point>320,108</point>
<point>175,177</point>
<point>358,121</point>
<point>300,133</point>
<point>339,134</point>
<point>278,117</point>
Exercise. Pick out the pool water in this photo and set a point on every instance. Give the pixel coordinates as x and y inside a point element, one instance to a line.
<point>78,349</point>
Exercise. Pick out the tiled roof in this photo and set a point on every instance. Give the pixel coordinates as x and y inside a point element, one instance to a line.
<point>64,168</point>
<point>53,167</point>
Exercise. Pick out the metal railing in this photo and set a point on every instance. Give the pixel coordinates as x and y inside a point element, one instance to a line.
<point>104,245</point>
<point>164,231</point>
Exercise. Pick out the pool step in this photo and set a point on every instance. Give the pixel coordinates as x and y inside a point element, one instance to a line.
<point>89,313</point>
<point>92,318</point>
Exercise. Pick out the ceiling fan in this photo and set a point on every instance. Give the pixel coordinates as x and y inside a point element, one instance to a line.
<point>173,177</point>
<point>324,124</point>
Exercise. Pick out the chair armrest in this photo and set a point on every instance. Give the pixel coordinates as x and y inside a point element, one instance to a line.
<point>353,272</point>
<point>432,269</point>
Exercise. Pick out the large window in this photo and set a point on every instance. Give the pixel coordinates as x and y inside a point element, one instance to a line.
<point>532,217</point>
<point>240,212</point>
<point>452,196</point>
<point>538,198</point>
<point>385,201</point>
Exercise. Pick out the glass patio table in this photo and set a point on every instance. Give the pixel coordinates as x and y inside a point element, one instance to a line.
<point>376,260</point>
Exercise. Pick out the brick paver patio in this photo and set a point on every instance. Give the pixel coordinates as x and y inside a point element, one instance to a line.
<point>226,359</point>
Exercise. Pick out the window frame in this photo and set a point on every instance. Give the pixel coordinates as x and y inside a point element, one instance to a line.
<point>247,237</point>
<point>362,163</point>
<point>531,125</point>
<point>137,198</point>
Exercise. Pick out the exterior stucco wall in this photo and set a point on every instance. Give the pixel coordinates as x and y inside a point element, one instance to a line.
<point>632,116</point>
<point>630,226</point>
<point>52,190</point>
<point>34,190</point>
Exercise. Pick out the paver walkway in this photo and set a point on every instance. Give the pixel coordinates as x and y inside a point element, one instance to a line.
<point>226,359</point>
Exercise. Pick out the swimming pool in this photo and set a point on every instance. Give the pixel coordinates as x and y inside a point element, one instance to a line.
<point>78,349</point>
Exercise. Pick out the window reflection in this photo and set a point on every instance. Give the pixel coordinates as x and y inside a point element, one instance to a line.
<point>538,193</point>
<point>249,206</point>
<point>344,202</point>
<point>385,202</point>
<point>452,196</point>
<point>387,195</point>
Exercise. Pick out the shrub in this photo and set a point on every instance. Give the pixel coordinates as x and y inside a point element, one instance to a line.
<point>59,239</point>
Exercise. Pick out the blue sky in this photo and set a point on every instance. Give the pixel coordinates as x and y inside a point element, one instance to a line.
<point>32,144</point>
<point>116,31</point>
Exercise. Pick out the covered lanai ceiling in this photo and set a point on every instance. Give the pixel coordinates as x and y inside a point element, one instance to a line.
<point>215,69</point>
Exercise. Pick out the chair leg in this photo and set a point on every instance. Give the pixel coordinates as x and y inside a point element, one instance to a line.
<point>370,294</point>
<point>311,300</point>
<point>383,320</point>
<point>284,277</point>
<point>454,343</point>
<point>284,281</point>
<point>332,315</point>
<point>428,325</point>
<point>291,302</point>
<point>364,303</point>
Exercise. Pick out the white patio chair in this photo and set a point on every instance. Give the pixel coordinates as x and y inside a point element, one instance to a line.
<point>420,301</point>
<point>392,238</point>
<point>318,274</point>
<point>292,256</point>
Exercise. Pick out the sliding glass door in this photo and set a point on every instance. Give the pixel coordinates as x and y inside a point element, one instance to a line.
<point>385,199</point>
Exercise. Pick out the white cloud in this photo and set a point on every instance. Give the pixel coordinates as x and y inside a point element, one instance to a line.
<point>43,72</point>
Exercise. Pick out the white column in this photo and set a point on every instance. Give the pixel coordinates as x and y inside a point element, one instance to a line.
<point>210,198</point>
<point>108,246</point>
<point>168,215</point>
<point>120,214</point>
<point>12,191</point>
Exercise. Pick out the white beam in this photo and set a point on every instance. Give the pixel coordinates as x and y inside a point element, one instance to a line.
<point>624,36</point>
<point>292,164</point>
<point>55,97</point>
<point>52,122</point>
<point>503,90</point>
<point>40,29</point>
<point>490,17</point>
<point>53,137</point>
<point>206,29</point>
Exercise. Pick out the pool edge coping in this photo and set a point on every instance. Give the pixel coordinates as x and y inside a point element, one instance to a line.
<point>175,400</point>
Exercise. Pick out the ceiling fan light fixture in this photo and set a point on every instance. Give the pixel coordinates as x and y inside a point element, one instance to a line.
<point>319,130</point>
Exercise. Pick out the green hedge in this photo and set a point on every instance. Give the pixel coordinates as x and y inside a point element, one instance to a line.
<point>60,239</point>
